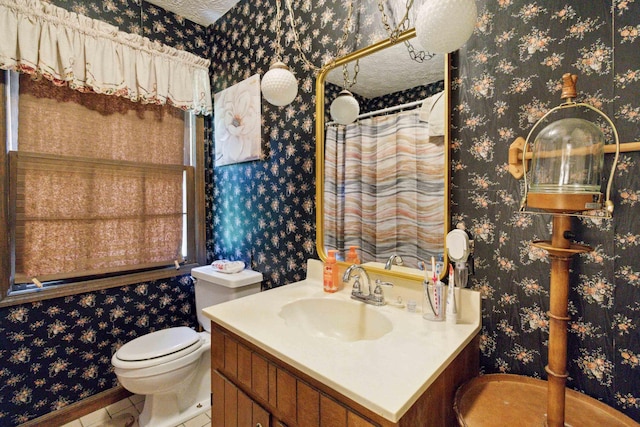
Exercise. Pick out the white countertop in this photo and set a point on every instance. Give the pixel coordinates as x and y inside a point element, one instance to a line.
<point>386,375</point>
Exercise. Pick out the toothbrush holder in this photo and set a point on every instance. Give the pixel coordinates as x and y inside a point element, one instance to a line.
<point>434,301</point>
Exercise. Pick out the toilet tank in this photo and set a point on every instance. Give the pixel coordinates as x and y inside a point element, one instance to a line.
<point>213,287</point>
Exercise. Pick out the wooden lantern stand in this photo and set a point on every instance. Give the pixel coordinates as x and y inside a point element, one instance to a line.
<point>497,400</point>
<point>561,251</point>
<point>508,400</point>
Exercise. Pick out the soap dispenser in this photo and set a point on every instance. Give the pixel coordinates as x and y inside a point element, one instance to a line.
<point>330,273</point>
<point>352,255</point>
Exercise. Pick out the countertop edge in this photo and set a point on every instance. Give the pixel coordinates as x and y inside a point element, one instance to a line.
<point>393,415</point>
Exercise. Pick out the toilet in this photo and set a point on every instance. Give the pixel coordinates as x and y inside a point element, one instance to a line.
<point>172,367</point>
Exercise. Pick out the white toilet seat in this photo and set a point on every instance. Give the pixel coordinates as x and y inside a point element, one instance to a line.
<point>157,348</point>
<point>175,376</point>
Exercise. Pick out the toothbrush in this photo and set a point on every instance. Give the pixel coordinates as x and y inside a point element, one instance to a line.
<point>452,312</point>
<point>436,297</point>
<point>425,285</point>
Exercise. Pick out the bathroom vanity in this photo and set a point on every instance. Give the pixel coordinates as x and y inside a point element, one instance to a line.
<point>296,356</point>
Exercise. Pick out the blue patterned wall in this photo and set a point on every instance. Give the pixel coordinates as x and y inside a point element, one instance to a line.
<point>57,352</point>
<point>265,210</point>
<point>508,73</point>
<point>507,76</point>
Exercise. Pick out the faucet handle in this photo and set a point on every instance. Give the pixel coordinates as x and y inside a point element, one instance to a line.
<point>356,289</point>
<point>378,294</point>
<point>382,283</point>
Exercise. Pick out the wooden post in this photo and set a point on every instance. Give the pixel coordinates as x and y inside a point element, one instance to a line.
<point>561,250</point>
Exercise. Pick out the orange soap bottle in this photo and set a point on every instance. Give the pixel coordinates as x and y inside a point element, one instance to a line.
<point>330,274</point>
<point>352,255</point>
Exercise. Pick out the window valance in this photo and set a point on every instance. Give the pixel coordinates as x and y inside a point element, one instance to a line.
<point>90,55</point>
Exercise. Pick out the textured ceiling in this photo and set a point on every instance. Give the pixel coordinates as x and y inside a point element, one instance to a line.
<point>203,12</point>
<point>391,70</point>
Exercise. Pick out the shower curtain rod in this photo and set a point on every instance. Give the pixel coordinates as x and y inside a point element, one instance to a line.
<point>384,110</point>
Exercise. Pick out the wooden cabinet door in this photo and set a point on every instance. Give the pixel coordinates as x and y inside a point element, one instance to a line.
<point>332,414</point>
<point>218,399</point>
<point>232,408</point>
<point>261,418</point>
<point>288,399</point>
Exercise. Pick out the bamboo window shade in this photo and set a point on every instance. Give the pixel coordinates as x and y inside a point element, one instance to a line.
<point>98,183</point>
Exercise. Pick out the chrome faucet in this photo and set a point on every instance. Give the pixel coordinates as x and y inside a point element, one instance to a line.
<point>353,268</point>
<point>373,297</point>
<point>397,259</point>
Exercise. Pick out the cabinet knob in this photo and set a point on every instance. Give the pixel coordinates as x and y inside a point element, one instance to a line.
<point>258,425</point>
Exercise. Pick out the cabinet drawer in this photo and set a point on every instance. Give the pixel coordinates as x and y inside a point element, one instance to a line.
<point>233,408</point>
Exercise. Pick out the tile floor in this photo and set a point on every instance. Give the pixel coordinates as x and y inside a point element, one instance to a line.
<point>109,416</point>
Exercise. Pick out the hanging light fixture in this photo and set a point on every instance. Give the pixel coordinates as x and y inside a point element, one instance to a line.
<point>402,26</point>
<point>279,86</point>
<point>444,26</point>
<point>345,108</point>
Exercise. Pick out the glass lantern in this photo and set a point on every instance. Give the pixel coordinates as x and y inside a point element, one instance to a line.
<point>566,166</point>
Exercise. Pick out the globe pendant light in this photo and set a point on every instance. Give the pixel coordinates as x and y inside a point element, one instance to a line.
<point>444,26</point>
<point>345,108</point>
<point>279,86</point>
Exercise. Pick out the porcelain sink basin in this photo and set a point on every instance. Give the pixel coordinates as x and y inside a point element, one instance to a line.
<point>339,319</point>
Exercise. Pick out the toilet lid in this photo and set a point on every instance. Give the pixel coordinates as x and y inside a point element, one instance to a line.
<point>158,344</point>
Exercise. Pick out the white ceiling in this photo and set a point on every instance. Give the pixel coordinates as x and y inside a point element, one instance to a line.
<point>203,12</point>
<point>391,70</point>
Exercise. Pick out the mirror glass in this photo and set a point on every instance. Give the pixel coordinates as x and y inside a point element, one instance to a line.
<point>382,181</point>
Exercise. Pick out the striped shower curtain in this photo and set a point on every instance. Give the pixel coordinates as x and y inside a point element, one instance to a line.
<point>384,188</point>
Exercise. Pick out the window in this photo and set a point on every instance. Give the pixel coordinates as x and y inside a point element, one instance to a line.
<point>99,187</point>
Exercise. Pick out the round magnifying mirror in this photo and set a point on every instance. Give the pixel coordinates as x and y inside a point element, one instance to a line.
<point>458,245</point>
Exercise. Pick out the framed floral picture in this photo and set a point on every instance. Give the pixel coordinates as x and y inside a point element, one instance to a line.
<point>237,122</point>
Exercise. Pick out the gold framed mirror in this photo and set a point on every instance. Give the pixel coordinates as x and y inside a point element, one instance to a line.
<point>439,211</point>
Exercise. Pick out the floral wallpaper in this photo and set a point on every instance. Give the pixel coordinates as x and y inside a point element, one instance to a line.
<point>507,76</point>
<point>264,211</point>
<point>57,352</point>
